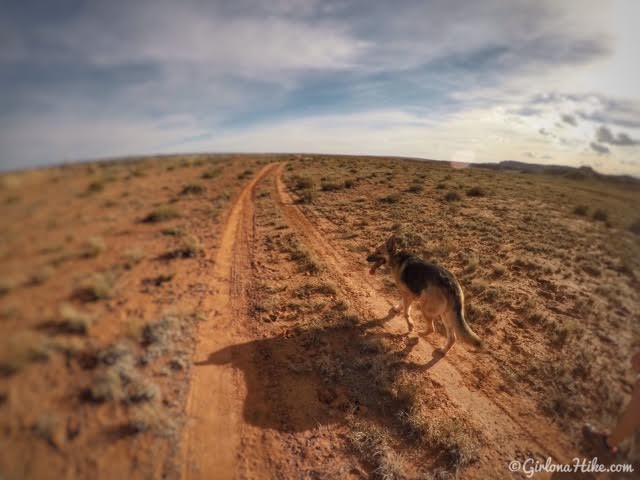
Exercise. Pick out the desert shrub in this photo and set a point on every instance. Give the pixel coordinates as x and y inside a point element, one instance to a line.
<point>472,262</point>
<point>93,247</point>
<point>43,274</point>
<point>302,183</point>
<point>120,380</point>
<point>157,331</point>
<point>476,192</point>
<point>96,186</point>
<point>173,231</point>
<point>390,199</point>
<point>581,210</point>
<point>600,215</point>
<point>441,186</point>
<point>455,441</point>
<point>349,183</point>
<point>6,285</point>
<point>192,189</point>
<point>245,174</point>
<point>499,270</point>
<point>161,214</point>
<point>415,188</point>
<point>306,196</point>
<point>20,349</point>
<point>132,257</point>
<point>188,247</point>
<point>372,445</point>
<point>452,196</point>
<point>317,287</point>
<point>99,286</point>
<point>635,227</point>
<point>299,254</point>
<point>69,320</point>
<point>330,186</point>
<point>212,173</point>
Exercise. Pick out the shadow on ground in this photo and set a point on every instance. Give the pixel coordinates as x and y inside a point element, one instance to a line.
<point>316,376</point>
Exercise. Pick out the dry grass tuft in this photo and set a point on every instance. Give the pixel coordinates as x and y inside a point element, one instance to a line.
<point>161,214</point>
<point>193,189</point>
<point>48,427</point>
<point>93,247</point>
<point>132,257</point>
<point>189,247</point>
<point>581,210</point>
<point>100,286</point>
<point>315,288</point>
<point>372,445</point>
<point>173,232</point>
<point>212,173</point>
<point>69,320</point>
<point>20,349</point>
<point>476,192</point>
<point>6,285</point>
<point>41,276</point>
<point>452,197</point>
<point>390,199</point>
<point>600,215</point>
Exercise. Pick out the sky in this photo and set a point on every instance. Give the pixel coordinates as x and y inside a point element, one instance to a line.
<point>471,81</point>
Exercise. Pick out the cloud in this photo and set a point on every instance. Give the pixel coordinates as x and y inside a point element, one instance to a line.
<point>570,119</point>
<point>604,135</point>
<point>151,76</point>
<point>600,149</point>
<point>525,111</point>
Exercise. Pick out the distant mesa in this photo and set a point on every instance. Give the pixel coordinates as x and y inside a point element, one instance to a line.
<point>575,173</point>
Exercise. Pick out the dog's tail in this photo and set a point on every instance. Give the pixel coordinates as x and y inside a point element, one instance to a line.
<point>460,325</point>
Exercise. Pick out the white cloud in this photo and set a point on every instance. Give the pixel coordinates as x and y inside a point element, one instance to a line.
<point>433,78</point>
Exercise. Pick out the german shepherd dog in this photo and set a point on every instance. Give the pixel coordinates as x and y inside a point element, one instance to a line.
<point>436,289</point>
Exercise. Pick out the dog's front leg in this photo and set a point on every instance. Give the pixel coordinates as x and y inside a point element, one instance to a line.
<point>406,303</point>
<point>400,306</point>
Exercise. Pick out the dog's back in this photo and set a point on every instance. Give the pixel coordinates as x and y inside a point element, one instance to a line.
<point>418,274</point>
<point>432,283</point>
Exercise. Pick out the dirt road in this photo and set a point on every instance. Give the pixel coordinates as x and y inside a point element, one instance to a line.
<point>216,430</point>
<point>215,399</point>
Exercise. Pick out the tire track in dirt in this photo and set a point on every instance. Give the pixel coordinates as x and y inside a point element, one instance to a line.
<point>214,406</point>
<point>508,437</point>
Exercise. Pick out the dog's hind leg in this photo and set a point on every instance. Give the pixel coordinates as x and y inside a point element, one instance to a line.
<point>451,336</point>
<point>429,320</point>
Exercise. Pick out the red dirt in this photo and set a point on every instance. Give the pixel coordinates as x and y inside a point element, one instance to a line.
<point>292,363</point>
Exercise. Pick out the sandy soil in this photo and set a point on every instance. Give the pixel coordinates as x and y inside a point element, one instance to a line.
<point>245,338</point>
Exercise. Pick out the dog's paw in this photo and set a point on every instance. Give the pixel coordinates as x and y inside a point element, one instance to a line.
<point>426,333</point>
<point>439,353</point>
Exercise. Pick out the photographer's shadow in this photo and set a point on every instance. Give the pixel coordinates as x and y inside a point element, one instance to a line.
<point>317,376</point>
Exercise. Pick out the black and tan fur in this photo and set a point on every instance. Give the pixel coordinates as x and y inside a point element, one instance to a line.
<point>435,289</point>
